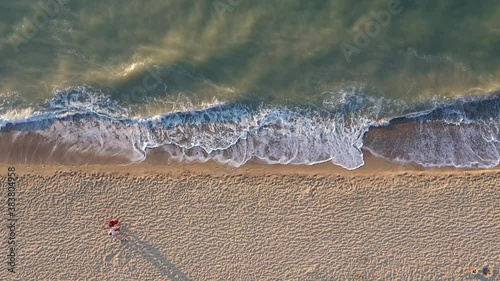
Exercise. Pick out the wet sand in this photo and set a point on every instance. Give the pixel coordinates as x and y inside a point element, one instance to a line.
<point>258,222</point>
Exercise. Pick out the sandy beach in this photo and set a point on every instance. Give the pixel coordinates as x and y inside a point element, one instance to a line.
<point>258,222</point>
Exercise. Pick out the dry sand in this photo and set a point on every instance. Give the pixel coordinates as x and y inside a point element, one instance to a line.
<point>208,222</point>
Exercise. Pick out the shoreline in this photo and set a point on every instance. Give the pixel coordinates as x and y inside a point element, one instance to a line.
<point>156,165</point>
<point>80,138</point>
<point>40,152</point>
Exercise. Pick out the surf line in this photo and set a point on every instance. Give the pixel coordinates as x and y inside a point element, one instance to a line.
<point>11,218</point>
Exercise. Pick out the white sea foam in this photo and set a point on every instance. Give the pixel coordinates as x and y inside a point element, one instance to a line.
<point>88,121</point>
<point>84,99</point>
<point>464,134</point>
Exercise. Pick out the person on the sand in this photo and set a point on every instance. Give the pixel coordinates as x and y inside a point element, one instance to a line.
<point>114,228</point>
<point>113,232</point>
<point>112,223</point>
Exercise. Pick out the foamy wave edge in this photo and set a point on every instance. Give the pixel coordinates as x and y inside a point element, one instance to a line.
<point>233,133</point>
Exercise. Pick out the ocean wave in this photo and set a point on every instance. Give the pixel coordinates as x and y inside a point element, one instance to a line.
<point>464,133</point>
<point>461,133</point>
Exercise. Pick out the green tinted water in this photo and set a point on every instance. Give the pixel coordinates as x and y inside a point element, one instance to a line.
<point>276,51</point>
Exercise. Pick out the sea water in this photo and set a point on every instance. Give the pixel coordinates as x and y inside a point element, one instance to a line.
<point>280,82</point>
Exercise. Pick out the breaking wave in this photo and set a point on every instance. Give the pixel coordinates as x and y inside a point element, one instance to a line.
<point>459,133</point>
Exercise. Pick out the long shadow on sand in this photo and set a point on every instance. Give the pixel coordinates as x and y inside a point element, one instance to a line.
<point>152,255</point>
